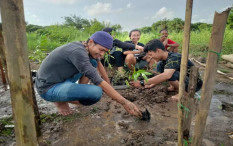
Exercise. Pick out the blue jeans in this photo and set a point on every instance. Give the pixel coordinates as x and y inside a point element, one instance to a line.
<point>69,90</point>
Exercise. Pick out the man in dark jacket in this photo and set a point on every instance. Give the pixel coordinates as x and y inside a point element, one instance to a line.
<point>118,58</point>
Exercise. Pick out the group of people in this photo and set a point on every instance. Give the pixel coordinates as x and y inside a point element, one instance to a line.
<point>64,75</point>
<point>131,53</point>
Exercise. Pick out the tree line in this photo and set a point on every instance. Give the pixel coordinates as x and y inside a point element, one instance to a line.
<point>90,26</point>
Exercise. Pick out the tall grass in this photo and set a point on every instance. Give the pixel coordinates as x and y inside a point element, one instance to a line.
<point>199,41</point>
<point>145,37</point>
<point>51,37</point>
<point>47,39</point>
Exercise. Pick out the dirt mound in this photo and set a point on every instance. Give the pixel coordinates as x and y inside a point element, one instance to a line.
<point>157,94</point>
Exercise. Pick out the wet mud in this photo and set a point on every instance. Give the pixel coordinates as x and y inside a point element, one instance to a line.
<point>107,123</point>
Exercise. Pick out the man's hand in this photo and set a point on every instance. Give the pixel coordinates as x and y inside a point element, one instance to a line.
<point>135,83</point>
<point>149,86</point>
<point>132,109</point>
<point>140,48</point>
<point>165,42</point>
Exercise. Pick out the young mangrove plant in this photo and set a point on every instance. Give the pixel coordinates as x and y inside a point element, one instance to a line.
<point>138,74</point>
<point>107,57</point>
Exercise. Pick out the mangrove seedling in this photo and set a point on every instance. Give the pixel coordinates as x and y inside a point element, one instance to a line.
<point>136,74</point>
<point>107,57</point>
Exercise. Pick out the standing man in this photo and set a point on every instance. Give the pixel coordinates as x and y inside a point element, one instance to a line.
<point>58,73</point>
<point>168,66</point>
<point>170,45</point>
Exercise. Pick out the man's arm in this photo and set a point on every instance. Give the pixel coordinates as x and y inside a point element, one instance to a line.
<point>165,42</point>
<point>103,72</point>
<point>131,52</point>
<point>167,74</point>
<point>129,106</point>
<point>127,46</point>
<point>123,45</point>
<point>171,43</point>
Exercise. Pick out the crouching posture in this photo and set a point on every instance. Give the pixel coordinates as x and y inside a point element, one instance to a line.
<point>168,66</point>
<point>57,77</point>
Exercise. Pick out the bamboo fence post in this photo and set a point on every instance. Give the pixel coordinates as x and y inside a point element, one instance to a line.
<point>191,102</point>
<point>215,47</point>
<point>183,70</point>
<point>2,72</point>
<point>24,107</point>
<point>3,59</point>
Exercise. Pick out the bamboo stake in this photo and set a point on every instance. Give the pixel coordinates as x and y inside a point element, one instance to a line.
<point>24,107</point>
<point>218,71</point>
<point>183,70</point>
<point>191,102</point>
<point>2,72</point>
<point>215,44</point>
<point>3,59</point>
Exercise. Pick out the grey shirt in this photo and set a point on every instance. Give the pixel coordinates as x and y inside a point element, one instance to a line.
<point>63,63</point>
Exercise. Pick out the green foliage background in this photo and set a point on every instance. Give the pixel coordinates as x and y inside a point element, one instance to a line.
<point>42,40</point>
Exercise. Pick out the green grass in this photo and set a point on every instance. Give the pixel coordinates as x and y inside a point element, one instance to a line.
<point>199,42</point>
<point>48,38</point>
<point>6,131</point>
<point>224,71</point>
<point>57,118</point>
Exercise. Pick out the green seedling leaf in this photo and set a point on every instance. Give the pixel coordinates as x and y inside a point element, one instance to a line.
<point>147,73</point>
<point>135,76</point>
<point>140,71</point>
<point>127,83</point>
<point>145,77</point>
<point>185,142</point>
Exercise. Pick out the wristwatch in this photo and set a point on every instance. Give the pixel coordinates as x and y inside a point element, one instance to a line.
<point>142,83</point>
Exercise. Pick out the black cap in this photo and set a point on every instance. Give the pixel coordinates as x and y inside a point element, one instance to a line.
<point>107,29</point>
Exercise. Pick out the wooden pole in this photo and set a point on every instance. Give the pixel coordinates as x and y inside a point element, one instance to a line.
<point>2,72</point>
<point>218,71</point>
<point>190,103</point>
<point>24,107</point>
<point>183,70</point>
<point>215,46</point>
<point>3,59</point>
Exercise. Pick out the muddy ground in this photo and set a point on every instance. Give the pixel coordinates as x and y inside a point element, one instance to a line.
<point>107,123</point>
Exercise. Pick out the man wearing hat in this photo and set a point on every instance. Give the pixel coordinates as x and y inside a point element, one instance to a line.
<point>64,66</point>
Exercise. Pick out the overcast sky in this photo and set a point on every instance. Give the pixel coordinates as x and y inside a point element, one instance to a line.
<point>130,14</point>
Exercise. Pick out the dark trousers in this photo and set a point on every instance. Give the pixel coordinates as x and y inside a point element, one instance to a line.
<point>176,76</point>
<point>116,59</point>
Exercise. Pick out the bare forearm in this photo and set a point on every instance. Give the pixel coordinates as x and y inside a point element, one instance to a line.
<point>156,80</point>
<point>103,72</point>
<point>173,45</point>
<point>131,52</point>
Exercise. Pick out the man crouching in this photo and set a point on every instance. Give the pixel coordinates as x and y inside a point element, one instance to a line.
<point>168,66</point>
